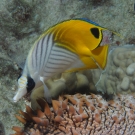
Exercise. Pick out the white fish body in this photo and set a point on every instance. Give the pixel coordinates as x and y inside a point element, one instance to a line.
<point>69,45</point>
<point>45,60</point>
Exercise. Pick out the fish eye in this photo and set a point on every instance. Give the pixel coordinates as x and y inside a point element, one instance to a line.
<point>95,32</point>
<point>30,84</point>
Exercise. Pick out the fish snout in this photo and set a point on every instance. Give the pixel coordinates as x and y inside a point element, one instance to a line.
<point>107,38</point>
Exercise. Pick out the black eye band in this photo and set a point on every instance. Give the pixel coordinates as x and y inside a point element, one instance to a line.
<point>30,84</point>
<point>95,32</point>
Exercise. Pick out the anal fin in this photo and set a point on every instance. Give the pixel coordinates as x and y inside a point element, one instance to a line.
<point>46,91</point>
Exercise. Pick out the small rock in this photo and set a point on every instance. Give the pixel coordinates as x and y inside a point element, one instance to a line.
<point>131,69</point>
<point>125,83</point>
<point>132,87</point>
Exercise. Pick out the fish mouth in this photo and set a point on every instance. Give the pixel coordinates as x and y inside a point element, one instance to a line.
<point>107,38</point>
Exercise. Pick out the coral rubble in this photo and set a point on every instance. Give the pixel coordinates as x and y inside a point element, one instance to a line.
<point>80,114</point>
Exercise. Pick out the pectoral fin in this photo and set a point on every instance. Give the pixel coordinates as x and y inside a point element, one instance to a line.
<point>84,63</point>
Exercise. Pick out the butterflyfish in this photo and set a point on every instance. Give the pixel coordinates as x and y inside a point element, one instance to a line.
<point>69,46</point>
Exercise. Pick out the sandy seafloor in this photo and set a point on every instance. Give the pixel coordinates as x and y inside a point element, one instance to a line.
<point>21,23</point>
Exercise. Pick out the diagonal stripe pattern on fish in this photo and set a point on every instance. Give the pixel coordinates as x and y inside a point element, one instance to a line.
<point>69,46</point>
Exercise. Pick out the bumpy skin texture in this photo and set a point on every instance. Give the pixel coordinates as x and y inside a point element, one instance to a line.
<point>119,75</point>
<point>80,114</point>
